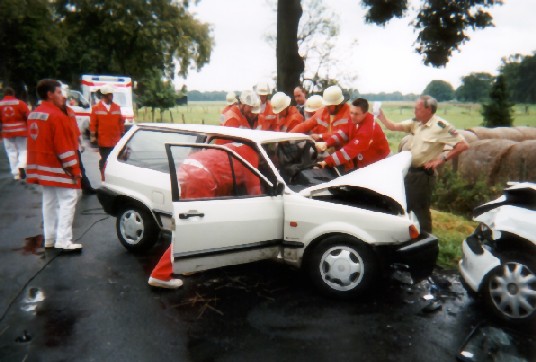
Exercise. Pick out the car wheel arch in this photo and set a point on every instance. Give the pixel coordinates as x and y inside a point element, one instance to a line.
<point>368,259</point>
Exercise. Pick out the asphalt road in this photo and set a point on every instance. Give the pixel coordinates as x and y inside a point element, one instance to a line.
<point>97,306</point>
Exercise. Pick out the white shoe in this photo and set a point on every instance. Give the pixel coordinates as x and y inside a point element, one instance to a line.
<point>69,247</point>
<point>170,284</point>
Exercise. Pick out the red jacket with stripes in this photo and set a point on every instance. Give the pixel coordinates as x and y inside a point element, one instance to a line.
<point>13,116</point>
<point>52,157</point>
<point>108,125</point>
<point>367,144</point>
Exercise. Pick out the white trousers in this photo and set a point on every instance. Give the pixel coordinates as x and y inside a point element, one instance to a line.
<point>16,153</point>
<point>59,205</point>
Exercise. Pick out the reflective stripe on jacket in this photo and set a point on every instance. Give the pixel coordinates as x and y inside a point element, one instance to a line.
<point>13,116</point>
<point>108,125</point>
<point>367,144</point>
<point>52,157</point>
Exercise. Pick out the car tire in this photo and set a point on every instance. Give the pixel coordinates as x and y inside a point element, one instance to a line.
<point>509,289</point>
<point>342,266</point>
<point>136,228</point>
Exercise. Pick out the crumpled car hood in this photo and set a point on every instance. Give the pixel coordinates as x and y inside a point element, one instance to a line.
<point>510,218</point>
<point>385,177</point>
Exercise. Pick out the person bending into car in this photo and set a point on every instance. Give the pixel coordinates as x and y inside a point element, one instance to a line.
<point>106,125</point>
<point>207,174</point>
<point>367,143</point>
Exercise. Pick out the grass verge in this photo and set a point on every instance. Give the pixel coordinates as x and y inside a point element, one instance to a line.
<point>451,230</point>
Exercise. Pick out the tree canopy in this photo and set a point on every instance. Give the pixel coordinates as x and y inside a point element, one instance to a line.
<point>475,87</point>
<point>65,38</point>
<point>440,90</point>
<point>498,112</point>
<point>520,72</point>
<point>441,25</point>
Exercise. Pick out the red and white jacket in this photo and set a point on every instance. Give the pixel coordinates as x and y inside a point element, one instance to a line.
<point>52,157</point>
<point>13,116</point>
<point>367,144</point>
<point>329,127</point>
<point>234,118</point>
<point>108,125</point>
<point>289,121</point>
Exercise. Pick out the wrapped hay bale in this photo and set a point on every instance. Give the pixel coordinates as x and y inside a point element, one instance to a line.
<point>510,133</point>
<point>483,158</point>
<point>468,135</point>
<point>528,133</point>
<point>518,164</point>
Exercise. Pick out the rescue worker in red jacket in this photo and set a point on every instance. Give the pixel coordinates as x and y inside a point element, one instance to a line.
<point>367,143</point>
<point>106,124</point>
<point>13,118</point>
<point>53,164</point>
<point>288,116</point>
<point>230,100</point>
<point>245,114</point>
<point>207,174</point>
<point>267,117</point>
<point>330,121</point>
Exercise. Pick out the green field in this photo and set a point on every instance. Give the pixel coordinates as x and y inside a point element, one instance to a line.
<point>449,228</point>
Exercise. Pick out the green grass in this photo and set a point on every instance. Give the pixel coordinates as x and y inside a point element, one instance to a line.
<point>449,228</point>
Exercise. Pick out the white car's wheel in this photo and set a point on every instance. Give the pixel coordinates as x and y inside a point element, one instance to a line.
<point>136,229</point>
<point>343,266</point>
<point>509,290</point>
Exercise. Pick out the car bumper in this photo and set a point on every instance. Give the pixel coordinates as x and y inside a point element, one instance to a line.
<point>476,262</point>
<point>419,255</point>
<point>107,200</point>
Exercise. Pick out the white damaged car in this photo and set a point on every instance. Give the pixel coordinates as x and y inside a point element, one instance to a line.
<point>345,231</point>
<point>499,258</point>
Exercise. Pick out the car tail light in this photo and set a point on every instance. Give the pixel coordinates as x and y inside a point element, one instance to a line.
<point>413,232</point>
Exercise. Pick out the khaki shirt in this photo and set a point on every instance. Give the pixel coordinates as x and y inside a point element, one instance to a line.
<point>429,139</point>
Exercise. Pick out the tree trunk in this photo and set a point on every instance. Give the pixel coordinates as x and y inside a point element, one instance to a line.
<point>290,65</point>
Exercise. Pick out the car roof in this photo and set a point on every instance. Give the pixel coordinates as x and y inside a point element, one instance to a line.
<point>249,134</point>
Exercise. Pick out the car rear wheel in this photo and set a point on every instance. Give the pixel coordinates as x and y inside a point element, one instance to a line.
<point>136,229</point>
<point>509,290</point>
<point>342,266</point>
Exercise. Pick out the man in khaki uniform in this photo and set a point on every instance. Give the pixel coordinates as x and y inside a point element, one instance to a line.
<point>430,136</point>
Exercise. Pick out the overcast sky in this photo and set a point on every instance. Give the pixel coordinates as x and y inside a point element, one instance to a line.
<point>383,58</point>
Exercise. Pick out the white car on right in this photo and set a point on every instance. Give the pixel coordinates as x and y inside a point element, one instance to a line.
<point>499,258</point>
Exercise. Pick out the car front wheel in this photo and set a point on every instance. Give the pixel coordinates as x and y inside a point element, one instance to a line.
<point>342,266</point>
<point>136,229</point>
<point>509,290</point>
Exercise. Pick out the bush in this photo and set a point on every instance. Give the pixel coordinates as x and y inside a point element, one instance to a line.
<point>454,194</point>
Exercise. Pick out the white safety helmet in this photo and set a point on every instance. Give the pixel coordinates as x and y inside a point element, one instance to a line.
<point>230,98</point>
<point>332,96</point>
<point>249,98</point>
<point>262,88</point>
<point>313,104</point>
<point>107,89</point>
<point>280,101</point>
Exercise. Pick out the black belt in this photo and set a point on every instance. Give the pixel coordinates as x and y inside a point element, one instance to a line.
<point>428,171</point>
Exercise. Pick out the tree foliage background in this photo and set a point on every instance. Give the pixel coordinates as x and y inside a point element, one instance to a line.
<point>498,112</point>
<point>63,39</point>
<point>440,90</point>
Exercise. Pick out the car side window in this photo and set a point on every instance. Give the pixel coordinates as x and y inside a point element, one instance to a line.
<point>210,173</point>
<point>146,148</point>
